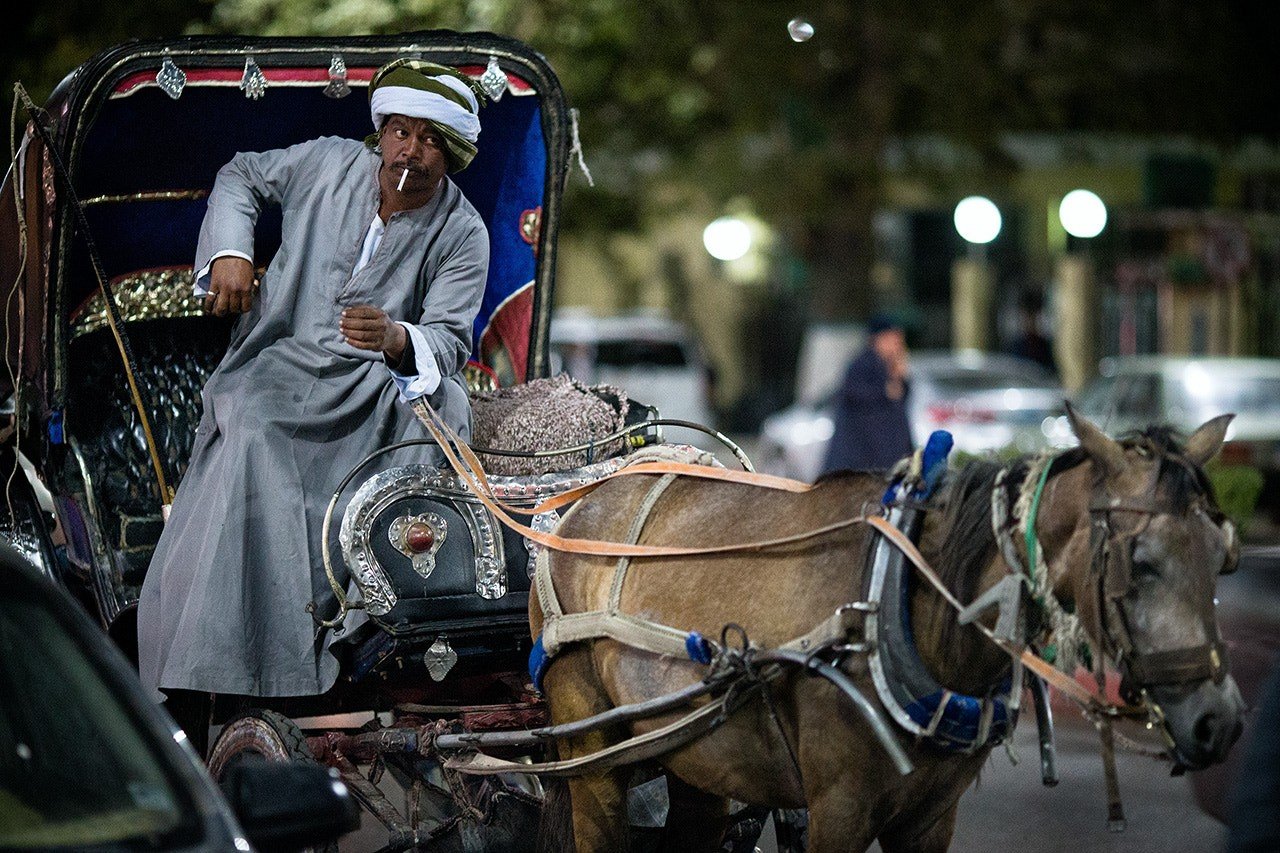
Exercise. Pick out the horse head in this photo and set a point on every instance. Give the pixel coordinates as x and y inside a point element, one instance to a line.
<point>1145,595</point>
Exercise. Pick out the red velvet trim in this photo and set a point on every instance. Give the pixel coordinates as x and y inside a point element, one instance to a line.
<point>509,328</point>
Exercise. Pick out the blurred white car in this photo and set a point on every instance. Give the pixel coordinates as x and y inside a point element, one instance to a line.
<point>988,401</point>
<point>1134,391</point>
<point>654,359</point>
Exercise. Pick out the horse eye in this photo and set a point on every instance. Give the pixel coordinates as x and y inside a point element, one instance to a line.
<point>1142,570</point>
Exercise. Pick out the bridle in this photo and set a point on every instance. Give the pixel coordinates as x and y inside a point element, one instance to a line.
<point>1111,579</point>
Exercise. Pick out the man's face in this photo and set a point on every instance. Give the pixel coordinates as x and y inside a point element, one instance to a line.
<point>414,144</point>
<point>890,344</point>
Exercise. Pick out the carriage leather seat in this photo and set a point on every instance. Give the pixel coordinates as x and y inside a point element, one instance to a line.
<point>173,358</point>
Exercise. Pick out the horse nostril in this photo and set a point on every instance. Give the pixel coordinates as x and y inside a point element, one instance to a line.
<point>1204,729</point>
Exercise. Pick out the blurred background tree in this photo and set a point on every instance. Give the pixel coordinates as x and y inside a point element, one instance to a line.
<point>714,99</point>
<point>693,108</point>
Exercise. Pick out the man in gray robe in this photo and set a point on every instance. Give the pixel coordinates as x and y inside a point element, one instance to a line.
<point>370,299</point>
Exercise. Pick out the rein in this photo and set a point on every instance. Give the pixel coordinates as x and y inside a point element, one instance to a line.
<point>472,473</point>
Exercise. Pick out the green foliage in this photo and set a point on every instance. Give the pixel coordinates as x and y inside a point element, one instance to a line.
<point>960,458</point>
<point>43,42</point>
<point>1237,489</point>
<point>687,104</point>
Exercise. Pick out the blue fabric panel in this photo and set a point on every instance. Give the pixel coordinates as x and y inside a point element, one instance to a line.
<point>507,177</point>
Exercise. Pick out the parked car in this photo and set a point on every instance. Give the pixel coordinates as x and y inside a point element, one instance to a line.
<point>1132,392</point>
<point>89,762</point>
<point>988,401</point>
<point>653,358</point>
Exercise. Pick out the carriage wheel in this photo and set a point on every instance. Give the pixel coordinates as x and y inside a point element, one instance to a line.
<point>260,734</point>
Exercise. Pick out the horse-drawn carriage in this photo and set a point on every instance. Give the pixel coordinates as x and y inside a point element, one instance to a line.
<point>689,608</point>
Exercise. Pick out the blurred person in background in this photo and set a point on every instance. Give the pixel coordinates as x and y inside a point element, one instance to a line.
<point>1030,343</point>
<point>871,427</point>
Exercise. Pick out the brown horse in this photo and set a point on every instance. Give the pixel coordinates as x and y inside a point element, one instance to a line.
<point>1133,543</point>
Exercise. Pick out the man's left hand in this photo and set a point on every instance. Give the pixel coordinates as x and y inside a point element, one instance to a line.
<point>369,328</point>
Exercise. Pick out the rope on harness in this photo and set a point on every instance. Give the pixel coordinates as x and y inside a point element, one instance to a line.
<point>1068,643</point>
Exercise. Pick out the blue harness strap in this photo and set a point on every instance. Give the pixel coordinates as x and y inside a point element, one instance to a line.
<point>698,647</point>
<point>959,728</point>
<point>539,660</point>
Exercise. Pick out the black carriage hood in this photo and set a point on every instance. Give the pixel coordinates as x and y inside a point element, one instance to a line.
<point>143,156</point>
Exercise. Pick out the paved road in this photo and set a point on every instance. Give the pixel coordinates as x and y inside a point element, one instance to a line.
<point>1009,809</point>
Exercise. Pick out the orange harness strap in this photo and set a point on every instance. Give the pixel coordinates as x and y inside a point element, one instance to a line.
<point>473,474</point>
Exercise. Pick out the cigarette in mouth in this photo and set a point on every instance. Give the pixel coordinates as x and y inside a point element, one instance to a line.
<point>403,175</point>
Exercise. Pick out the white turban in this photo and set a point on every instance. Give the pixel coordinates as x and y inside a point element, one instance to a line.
<point>435,93</point>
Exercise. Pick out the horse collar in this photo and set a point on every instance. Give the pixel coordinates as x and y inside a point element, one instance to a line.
<point>907,690</point>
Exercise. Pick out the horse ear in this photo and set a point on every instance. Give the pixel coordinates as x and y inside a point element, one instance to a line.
<point>1207,440</point>
<point>1101,448</point>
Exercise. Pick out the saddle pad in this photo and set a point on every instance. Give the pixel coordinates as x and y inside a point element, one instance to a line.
<point>547,414</point>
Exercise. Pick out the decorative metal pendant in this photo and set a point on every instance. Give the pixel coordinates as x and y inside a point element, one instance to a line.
<point>439,659</point>
<point>338,87</point>
<point>419,537</point>
<point>254,82</point>
<point>171,79</point>
<point>491,580</point>
<point>494,80</point>
<point>543,522</point>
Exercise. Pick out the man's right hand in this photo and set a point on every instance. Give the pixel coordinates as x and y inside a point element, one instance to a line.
<point>231,286</point>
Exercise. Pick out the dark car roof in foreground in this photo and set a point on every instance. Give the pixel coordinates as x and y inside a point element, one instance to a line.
<point>19,578</point>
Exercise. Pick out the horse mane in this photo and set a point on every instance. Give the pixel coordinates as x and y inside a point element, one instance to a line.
<point>966,501</point>
<point>970,541</point>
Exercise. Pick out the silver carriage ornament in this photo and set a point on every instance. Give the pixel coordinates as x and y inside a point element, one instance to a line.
<point>338,86</point>
<point>386,488</point>
<point>170,78</point>
<point>254,82</point>
<point>494,80</point>
<point>419,537</point>
<point>439,659</point>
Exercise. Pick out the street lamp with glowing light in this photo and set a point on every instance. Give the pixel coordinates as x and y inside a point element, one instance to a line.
<point>727,238</point>
<point>977,219</point>
<point>1082,214</point>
